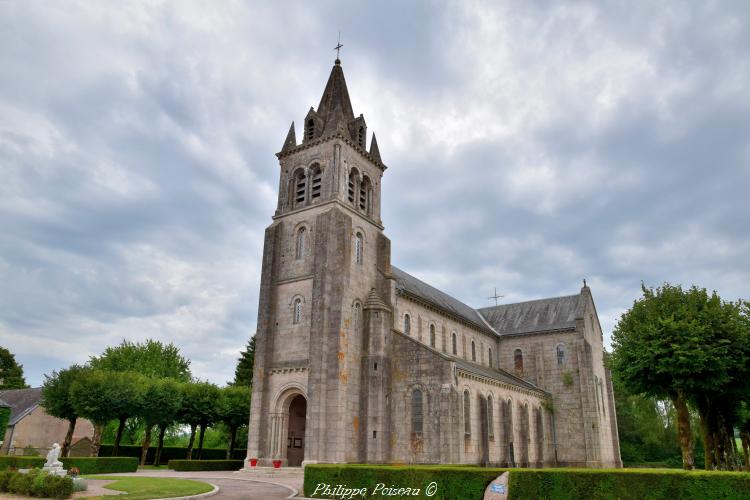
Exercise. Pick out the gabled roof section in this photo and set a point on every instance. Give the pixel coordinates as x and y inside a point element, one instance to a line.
<point>496,374</point>
<point>558,313</point>
<point>417,289</point>
<point>21,402</point>
<point>335,103</point>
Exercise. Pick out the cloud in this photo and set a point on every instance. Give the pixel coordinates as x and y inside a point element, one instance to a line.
<point>529,146</point>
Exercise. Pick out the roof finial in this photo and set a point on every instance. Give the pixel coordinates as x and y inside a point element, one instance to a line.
<point>495,296</point>
<point>337,48</point>
<point>584,282</point>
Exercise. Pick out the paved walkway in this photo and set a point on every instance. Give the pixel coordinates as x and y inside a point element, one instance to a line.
<point>238,485</point>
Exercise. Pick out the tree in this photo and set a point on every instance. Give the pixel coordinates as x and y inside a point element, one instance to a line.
<point>57,399</point>
<point>130,387</point>
<point>151,359</point>
<point>199,408</point>
<point>95,395</point>
<point>682,345</point>
<point>11,373</point>
<point>243,374</point>
<point>159,403</point>
<point>234,411</point>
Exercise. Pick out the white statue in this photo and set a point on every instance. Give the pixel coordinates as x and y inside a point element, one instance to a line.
<point>52,457</point>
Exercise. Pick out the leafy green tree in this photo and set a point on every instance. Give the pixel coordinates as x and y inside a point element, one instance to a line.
<point>199,408</point>
<point>243,374</point>
<point>96,395</point>
<point>4,417</point>
<point>234,411</point>
<point>130,386</point>
<point>151,359</point>
<point>11,373</point>
<point>677,344</point>
<point>159,403</point>
<point>57,399</point>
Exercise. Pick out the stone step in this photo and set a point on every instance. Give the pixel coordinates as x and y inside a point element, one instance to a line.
<point>267,472</point>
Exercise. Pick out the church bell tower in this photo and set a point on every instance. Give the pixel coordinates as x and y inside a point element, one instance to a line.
<point>324,316</point>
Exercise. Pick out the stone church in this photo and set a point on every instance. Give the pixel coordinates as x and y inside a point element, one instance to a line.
<point>358,361</point>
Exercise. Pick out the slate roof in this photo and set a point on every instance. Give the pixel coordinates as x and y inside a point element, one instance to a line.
<point>408,284</point>
<point>21,402</point>
<point>3,404</point>
<point>495,373</point>
<point>558,313</point>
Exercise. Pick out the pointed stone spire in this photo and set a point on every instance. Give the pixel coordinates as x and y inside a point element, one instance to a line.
<point>335,108</point>
<point>291,140</point>
<point>374,151</point>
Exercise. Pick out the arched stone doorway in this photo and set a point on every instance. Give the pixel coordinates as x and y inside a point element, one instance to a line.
<point>295,445</point>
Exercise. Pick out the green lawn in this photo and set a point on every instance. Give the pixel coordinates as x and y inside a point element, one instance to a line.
<point>145,488</point>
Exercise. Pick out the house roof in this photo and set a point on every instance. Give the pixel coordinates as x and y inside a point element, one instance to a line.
<point>496,374</point>
<point>21,402</point>
<point>3,404</point>
<point>557,313</point>
<point>408,284</point>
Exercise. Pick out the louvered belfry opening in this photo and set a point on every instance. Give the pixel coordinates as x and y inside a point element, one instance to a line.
<point>315,187</point>
<point>299,190</point>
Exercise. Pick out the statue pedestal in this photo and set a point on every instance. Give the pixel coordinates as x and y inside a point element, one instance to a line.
<point>55,470</point>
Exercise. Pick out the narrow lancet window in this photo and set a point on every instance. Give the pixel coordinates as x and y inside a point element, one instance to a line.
<point>467,413</point>
<point>518,360</point>
<point>300,249</point>
<point>407,324</point>
<point>297,313</point>
<point>432,335</point>
<point>416,411</point>
<point>358,248</point>
<point>560,354</point>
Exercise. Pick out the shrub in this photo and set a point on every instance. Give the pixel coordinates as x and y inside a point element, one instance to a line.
<point>5,479</point>
<point>542,484</point>
<point>7,462</point>
<point>172,453</point>
<point>36,483</point>
<point>101,465</point>
<point>193,465</point>
<point>58,487</point>
<point>21,483</point>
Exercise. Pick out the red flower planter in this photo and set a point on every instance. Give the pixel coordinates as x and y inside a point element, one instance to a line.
<point>277,464</point>
<point>253,462</point>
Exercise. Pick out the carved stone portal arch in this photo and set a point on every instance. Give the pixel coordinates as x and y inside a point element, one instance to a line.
<point>288,423</point>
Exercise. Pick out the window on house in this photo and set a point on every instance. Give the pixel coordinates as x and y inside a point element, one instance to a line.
<point>560,354</point>
<point>473,351</point>
<point>358,248</point>
<point>357,316</point>
<point>364,194</point>
<point>316,178</point>
<point>489,355</point>
<point>518,360</point>
<point>416,411</point>
<point>407,324</point>
<point>454,341</point>
<point>300,182</point>
<point>297,314</point>
<point>490,424</point>
<point>467,414</point>
<point>432,335</point>
<point>300,249</point>
<point>352,185</point>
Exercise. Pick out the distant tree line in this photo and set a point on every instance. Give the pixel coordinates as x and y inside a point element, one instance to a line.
<point>149,383</point>
<point>691,348</point>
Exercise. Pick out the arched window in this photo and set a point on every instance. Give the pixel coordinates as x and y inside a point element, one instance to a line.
<point>467,413</point>
<point>361,137</point>
<point>297,315</point>
<point>300,183</point>
<point>357,316</point>
<point>358,248</point>
<point>352,185</point>
<point>316,176</point>
<point>509,420</point>
<point>560,354</point>
<point>365,195</point>
<point>454,341</point>
<point>489,355</point>
<point>300,247</point>
<point>518,360</point>
<point>473,351</point>
<point>490,423</point>
<point>407,324</point>
<point>310,129</point>
<point>416,411</point>
<point>432,335</point>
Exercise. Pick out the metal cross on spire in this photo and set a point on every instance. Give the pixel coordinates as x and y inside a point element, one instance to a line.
<point>495,296</point>
<point>338,46</point>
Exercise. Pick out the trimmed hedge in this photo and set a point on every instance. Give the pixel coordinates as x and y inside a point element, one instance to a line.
<point>36,484</point>
<point>193,465</point>
<point>172,453</point>
<point>542,484</point>
<point>87,465</point>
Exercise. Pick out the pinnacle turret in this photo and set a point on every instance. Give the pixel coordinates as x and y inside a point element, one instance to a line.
<point>374,151</point>
<point>291,140</point>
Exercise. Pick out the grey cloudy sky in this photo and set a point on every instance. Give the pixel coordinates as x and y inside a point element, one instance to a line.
<point>530,144</point>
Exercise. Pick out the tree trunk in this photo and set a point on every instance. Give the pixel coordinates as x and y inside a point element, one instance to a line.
<point>118,437</point>
<point>157,457</point>
<point>745,437</point>
<point>709,445</point>
<point>191,441</point>
<point>200,441</point>
<point>232,441</point>
<point>96,439</point>
<point>683,431</point>
<point>146,444</point>
<point>68,437</point>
